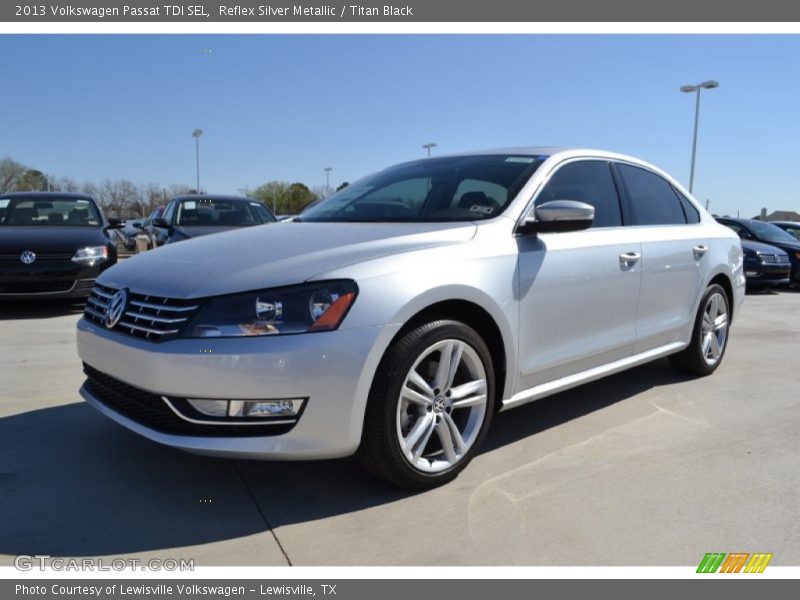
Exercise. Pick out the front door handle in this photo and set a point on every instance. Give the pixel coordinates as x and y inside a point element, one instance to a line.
<point>699,251</point>
<point>628,259</point>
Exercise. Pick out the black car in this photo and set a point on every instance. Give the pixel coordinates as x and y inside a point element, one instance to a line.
<point>765,265</point>
<point>767,233</point>
<point>195,215</point>
<point>148,236</point>
<point>127,235</point>
<point>53,244</point>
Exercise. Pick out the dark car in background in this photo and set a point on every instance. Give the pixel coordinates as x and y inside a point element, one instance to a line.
<point>196,215</point>
<point>53,244</point>
<point>767,233</point>
<point>790,227</point>
<point>127,235</point>
<point>149,236</point>
<point>765,265</point>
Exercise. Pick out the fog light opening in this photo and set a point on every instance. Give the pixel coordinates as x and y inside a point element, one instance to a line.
<point>247,409</point>
<point>272,408</point>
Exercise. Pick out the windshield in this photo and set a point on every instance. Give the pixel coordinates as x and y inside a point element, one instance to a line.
<point>770,233</point>
<point>210,212</point>
<point>460,188</point>
<point>47,212</point>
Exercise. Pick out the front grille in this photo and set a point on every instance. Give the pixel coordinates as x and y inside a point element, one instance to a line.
<point>779,259</point>
<point>151,411</point>
<point>153,318</point>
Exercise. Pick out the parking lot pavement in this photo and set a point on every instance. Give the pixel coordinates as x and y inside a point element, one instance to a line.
<point>646,467</point>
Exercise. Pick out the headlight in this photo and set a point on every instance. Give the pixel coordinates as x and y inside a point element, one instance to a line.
<point>297,309</point>
<point>91,255</point>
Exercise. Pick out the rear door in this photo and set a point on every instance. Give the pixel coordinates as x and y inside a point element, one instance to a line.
<point>674,256</point>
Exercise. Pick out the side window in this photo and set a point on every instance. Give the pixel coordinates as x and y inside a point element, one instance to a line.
<point>590,182</point>
<point>689,211</point>
<point>653,200</point>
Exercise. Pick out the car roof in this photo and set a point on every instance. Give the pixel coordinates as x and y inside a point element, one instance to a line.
<point>557,153</point>
<point>183,197</point>
<point>46,195</point>
<point>739,220</point>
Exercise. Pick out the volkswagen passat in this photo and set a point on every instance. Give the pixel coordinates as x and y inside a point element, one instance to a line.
<point>396,317</point>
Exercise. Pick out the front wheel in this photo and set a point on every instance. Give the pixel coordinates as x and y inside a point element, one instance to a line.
<point>430,405</point>
<point>709,337</point>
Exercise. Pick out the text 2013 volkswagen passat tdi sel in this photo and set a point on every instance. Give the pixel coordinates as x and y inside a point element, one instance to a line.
<point>396,317</point>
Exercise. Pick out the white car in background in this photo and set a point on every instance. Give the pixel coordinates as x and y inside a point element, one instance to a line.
<point>393,319</point>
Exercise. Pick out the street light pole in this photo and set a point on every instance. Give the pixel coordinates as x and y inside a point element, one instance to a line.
<point>710,84</point>
<point>428,147</point>
<point>196,135</point>
<point>327,180</point>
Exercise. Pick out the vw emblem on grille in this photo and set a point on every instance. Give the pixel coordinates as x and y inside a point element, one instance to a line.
<point>115,308</point>
<point>27,257</point>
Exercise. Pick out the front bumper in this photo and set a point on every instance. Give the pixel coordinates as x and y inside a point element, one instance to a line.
<point>759,274</point>
<point>332,369</point>
<point>56,279</point>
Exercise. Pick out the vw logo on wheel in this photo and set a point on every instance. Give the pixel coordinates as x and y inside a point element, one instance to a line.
<point>115,308</point>
<point>27,257</point>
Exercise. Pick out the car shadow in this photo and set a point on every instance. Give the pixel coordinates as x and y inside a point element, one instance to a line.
<point>73,483</point>
<point>39,309</point>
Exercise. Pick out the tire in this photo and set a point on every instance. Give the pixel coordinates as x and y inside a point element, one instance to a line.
<point>709,337</point>
<point>414,407</point>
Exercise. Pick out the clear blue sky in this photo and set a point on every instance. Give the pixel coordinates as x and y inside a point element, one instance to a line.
<point>285,107</point>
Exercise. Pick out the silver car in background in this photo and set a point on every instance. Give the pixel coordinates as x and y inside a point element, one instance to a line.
<point>396,317</point>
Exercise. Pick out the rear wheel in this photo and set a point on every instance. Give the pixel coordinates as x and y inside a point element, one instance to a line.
<point>710,335</point>
<point>430,405</point>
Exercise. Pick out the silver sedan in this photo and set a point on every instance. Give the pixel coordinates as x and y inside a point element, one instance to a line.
<point>393,319</point>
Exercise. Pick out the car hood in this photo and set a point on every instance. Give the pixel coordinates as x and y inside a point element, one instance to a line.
<point>761,247</point>
<point>262,257</point>
<point>49,239</point>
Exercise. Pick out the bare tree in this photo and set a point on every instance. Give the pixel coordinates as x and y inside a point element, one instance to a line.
<point>10,173</point>
<point>64,184</point>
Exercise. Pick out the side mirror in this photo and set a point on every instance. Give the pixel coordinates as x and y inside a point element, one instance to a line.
<point>161,223</point>
<point>558,216</point>
<point>745,235</point>
<point>116,223</point>
<point>136,225</point>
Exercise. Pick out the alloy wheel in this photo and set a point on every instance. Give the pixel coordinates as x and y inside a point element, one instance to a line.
<point>714,328</point>
<point>442,406</point>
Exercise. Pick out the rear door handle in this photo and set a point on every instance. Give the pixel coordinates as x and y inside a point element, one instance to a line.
<point>699,251</point>
<point>628,259</point>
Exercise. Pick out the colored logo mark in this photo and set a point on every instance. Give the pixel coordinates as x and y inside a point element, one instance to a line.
<point>734,562</point>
